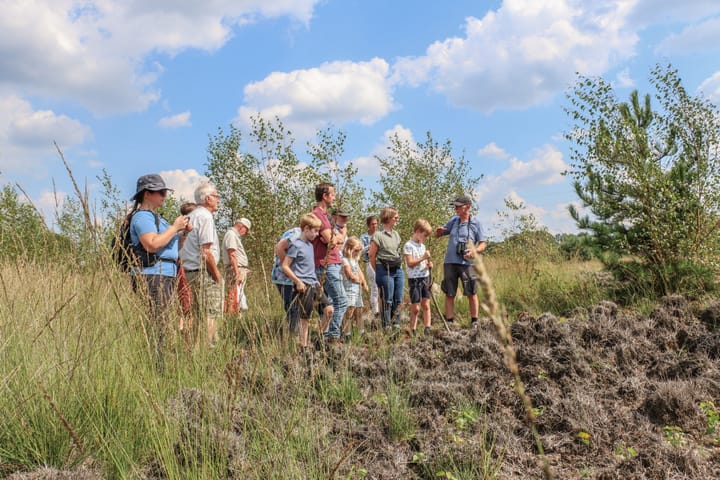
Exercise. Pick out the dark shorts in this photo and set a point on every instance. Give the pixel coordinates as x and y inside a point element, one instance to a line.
<point>307,300</point>
<point>455,272</point>
<point>419,289</point>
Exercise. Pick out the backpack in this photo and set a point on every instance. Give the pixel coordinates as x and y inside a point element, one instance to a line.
<point>126,254</point>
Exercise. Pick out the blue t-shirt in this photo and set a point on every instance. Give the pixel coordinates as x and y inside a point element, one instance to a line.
<point>143,221</point>
<point>461,232</point>
<point>303,265</point>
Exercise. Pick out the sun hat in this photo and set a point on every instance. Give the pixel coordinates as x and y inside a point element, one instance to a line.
<point>244,221</point>
<point>152,182</point>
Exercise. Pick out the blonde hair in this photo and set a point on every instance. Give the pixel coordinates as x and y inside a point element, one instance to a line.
<point>310,220</point>
<point>351,244</point>
<point>387,213</point>
<point>423,226</point>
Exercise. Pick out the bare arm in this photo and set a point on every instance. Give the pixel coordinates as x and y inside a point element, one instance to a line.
<point>372,253</point>
<point>210,263</point>
<point>299,284</point>
<point>153,241</point>
<point>281,249</point>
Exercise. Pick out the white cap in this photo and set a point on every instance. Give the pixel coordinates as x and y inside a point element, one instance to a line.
<point>244,221</point>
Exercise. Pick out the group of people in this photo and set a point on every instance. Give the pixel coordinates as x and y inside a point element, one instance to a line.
<point>317,266</point>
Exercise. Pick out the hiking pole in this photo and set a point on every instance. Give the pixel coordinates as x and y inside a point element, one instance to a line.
<point>435,302</point>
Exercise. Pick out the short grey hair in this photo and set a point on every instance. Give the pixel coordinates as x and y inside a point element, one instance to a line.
<point>203,191</point>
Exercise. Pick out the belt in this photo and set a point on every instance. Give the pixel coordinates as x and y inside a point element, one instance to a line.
<point>191,271</point>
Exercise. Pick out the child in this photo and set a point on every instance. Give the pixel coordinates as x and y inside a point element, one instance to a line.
<point>183,288</point>
<point>353,279</point>
<point>417,259</point>
<point>299,266</point>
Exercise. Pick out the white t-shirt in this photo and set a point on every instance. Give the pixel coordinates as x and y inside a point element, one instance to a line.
<point>203,231</point>
<point>416,250</point>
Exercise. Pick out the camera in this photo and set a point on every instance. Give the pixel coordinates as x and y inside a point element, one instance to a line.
<point>461,247</point>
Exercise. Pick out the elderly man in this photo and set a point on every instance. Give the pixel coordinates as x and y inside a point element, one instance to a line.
<point>236,266</point>
<point>200,255</point>
<point>463,229</point>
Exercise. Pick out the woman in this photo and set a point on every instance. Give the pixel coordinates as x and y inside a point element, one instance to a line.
<point>155,245</point>
<point>386,259</point>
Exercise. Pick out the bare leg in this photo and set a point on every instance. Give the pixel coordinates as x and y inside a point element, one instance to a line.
<point>449,306</point>
<point>414,309</point>
<point>474,305</point>
<point>303,337</point>
<point>425,305</point>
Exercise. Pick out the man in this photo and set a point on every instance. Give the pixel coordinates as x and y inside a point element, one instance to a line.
<point>327,258</point>
<point>200,254</point>
<point>372,225</point>
<point>340,221</point>
<point>236,266</point>
<point>462,229</point>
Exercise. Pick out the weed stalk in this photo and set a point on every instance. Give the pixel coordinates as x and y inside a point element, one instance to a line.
<point>502,332</point>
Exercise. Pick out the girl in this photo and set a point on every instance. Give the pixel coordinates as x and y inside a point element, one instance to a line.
<point>353,279</point>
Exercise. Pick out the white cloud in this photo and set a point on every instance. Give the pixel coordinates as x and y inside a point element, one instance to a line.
<point>369,165</point>
<point>523,53</point>
<point>699,37</point>
<point>175,121</point>
<point>545,168</point>
<point>538,180</point>
<point>101,53</point>
<point>183,182</point>
<point>333,93</point>
<point>493,151</point>
<point>623,79</point>
<point>27,135</point>
<point>710,87</point>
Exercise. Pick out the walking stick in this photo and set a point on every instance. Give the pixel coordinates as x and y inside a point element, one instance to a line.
<point>435,302</point>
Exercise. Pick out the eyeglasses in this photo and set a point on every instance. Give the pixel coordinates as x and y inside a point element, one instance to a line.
<point>214,195</point>
<point>162,192</point>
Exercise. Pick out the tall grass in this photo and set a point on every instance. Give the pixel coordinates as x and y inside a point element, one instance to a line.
<point>79,383</point>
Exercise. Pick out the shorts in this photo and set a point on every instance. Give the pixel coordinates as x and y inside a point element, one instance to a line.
<point>207,295</point>
<point>419,289</point>
<point>307,300</point>
<point>453,273</point>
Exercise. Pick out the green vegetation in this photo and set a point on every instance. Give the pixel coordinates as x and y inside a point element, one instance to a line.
<point>649,177</point>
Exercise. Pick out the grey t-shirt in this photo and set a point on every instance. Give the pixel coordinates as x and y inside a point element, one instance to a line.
<point>303,265</point>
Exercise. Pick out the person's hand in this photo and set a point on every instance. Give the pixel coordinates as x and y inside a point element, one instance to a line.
<point>365,286</point>
<point>439,231</point>
<point>427,254</point>
<point>430,265</point>
<point>300,286</point>
<point>181,223</point>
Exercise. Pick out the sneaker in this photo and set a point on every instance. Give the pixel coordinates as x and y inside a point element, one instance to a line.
<point>474,324</point>
<point>414,332</point>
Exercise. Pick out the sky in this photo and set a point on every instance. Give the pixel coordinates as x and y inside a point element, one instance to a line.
<point>137,86</point>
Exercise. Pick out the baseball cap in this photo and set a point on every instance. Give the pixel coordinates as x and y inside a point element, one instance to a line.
<point>462,200</point>
<point>151,182</point>
<point>340,213</point>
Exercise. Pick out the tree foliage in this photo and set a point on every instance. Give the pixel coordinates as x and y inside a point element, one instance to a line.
<point>326,154</point>
<point>421,180</point>
<point>650,178</point>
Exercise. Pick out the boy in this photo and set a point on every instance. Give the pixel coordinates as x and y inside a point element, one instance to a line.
<point>299,266</point>
<point>417,259</point>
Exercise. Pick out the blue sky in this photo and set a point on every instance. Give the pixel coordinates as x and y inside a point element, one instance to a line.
<point>136,86</point>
